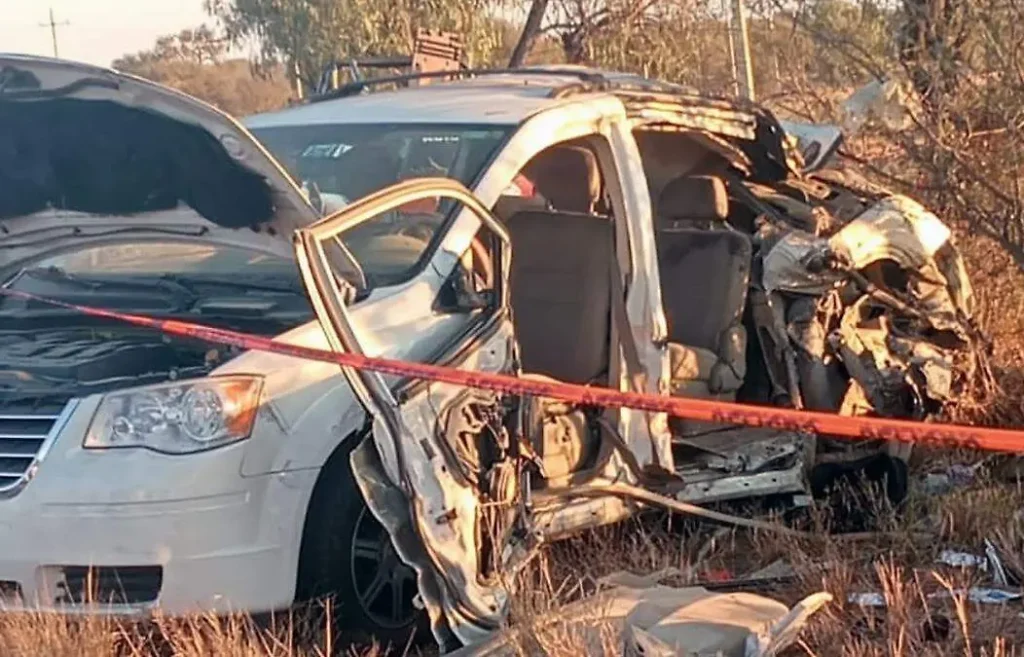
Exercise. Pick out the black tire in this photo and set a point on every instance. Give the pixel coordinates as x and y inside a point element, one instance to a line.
<point>335,561</point>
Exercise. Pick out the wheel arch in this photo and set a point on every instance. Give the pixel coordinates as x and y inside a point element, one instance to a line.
<point>312,515</point>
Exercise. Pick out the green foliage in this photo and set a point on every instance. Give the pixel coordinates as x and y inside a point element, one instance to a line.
<point>306,35</point>
<point>195,62</point>
<point>198,46</point>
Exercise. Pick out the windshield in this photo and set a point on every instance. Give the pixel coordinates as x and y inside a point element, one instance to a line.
<point>340,163</point>
<point>348,161</point>
<point>169,278</point>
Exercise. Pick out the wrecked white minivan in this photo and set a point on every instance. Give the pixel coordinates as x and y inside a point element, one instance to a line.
<point>618,232</point>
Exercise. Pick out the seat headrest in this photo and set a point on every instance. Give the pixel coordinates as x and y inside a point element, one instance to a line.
<point>694,198</point>
<point>568,177</point>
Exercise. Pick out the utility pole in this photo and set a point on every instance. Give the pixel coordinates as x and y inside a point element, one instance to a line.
<point>52,24</point>
<point>742,47</point>
<point>732,49</point>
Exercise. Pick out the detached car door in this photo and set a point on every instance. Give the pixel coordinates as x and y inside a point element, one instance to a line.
<point>441,474</point>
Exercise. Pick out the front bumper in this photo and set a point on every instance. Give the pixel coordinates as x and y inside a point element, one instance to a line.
<point>128,531</point>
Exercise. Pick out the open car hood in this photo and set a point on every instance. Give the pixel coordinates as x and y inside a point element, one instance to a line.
<point>89,141</point>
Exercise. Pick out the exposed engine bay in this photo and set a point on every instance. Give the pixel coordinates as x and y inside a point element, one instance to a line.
<point>873,302</point>
<point>78,361</point>
<point>853,299</point>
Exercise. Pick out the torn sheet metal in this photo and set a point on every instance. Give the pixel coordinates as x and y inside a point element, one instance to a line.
<point>896,228</point>
<point>664,621</point>
<point>787,265</point>
<point>816,143</point>
<point>979,595</point>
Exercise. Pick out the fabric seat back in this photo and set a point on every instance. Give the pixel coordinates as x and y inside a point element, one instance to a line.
<point>561,293</point>
<point>705,273</point>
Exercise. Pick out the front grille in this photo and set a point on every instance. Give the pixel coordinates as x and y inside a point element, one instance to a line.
<point>25,434</point>
<point>112,585</point>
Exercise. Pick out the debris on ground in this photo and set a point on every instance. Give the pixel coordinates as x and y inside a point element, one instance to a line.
<point>665,621</point>
<point>980,595</point>
<point>777,569</point>
<point>867,599</point>
<point>954,477</point>
<point>983,596</point>
<point>1001,575</point>
<point>963,560</point>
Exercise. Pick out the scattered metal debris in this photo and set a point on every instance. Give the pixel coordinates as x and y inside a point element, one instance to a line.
<point>962,560</point>
<point>868,599</point>
<point>979,595</point>
<point>983,596</point>
<point>999,573</point>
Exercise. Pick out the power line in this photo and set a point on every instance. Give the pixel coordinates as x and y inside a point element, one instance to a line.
<point>52,24</point>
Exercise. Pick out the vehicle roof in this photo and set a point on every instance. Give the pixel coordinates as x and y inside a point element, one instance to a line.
<point>492,99</point>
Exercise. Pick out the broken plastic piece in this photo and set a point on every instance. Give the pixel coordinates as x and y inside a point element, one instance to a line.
<point>981,595</point>
<point>962,560</point>
<point>869,599</point>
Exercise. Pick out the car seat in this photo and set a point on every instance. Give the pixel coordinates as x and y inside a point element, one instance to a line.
<point>705,272</point>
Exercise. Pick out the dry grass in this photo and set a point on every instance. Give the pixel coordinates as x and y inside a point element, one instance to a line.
<point>925,613</point>
<point>899,563</point>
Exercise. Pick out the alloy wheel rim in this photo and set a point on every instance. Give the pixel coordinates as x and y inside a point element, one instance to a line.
<point>385,587</point>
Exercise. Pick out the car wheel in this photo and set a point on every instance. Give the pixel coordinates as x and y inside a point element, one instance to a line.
<point>348,558</point>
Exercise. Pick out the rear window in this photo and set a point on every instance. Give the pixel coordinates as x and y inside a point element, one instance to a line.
<point>344,162</point>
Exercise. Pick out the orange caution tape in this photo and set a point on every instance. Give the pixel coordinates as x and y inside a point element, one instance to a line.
<point>940,435</point>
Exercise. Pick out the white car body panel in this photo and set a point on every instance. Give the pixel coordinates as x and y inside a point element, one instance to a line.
<point>387,329</point>
<point>227,524</point>
<point>239,510</point>
<point>209,528</point>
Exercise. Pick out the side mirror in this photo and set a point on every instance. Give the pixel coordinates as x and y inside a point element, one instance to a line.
<point>312,192</point>
<point>459,293</point>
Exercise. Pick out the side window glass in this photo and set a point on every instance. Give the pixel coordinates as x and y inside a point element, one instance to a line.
<point>390,246</point>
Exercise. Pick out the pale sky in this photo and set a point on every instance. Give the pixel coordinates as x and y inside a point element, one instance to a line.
<point>99,31</point>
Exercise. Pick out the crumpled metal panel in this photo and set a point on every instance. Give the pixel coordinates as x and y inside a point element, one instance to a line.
<point>896,228</point>
<point>916,336</point>
<point>716,120</point>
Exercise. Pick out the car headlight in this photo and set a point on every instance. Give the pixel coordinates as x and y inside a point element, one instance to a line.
<point>178,418</point>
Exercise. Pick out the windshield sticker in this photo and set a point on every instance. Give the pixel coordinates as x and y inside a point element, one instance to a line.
<point>325,151</point>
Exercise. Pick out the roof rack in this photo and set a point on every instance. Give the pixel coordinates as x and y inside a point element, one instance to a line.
<point>586,81</point>
<point>595,79</point>
<point>626,82</point>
